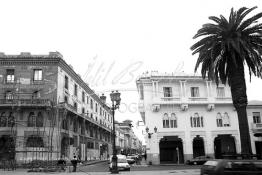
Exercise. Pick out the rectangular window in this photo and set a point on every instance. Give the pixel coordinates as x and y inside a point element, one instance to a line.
<point>96,107</point>
<point>100,110</point>
<point>66,99</point>
<point>141,92</point>
<point>256,117</point>
<point>75,90</point>
<point>91,103</point>
<point>38,74</point>
<point>66,82</point>
<point>220,92</point>
<point>83,96</point>
<point>83,110</point>
<point>194,91</point>
<point>167,91</point>
<point>10,75</point>
<point>75,106</point>
<point>87,99</point>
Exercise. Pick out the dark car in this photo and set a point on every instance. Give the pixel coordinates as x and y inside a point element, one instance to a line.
<point>232,167</point>
<point>198,160</point>
<point>130,159</point>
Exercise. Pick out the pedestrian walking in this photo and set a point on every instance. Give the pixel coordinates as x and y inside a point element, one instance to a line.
<point>74,163</point>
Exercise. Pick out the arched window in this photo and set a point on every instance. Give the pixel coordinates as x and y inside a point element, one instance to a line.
<point>196,121</point>
<point>36,95</point>
<point>219,120</point>
<point>39,120</point>
<point>173,121</point>
<point>9,95</point>
<point>11,120</point>
<point>165,121</point>
<point>3,120</point>
<point>226,120</point>
<point>75,125</point>
<point>34,141</point>
<point>64,124</point>
<point>31,120</point>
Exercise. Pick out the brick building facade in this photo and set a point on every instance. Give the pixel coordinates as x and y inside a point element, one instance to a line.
<point>48,111</point>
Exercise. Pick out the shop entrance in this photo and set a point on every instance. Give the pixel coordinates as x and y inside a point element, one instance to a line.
<point>171,150</point>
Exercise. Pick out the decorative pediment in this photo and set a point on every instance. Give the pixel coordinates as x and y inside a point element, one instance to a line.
<point>210,107</point>
<point>184,107</point>
<point>155,108</point>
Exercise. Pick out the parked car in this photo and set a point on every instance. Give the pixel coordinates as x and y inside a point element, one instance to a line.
<point>133,156</point>
<point>198,160</point>
<point>122,163</point>
<point>130,160</point>
<point>232,167</point>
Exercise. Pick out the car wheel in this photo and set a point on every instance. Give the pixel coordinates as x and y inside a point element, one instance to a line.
<point>128,169</point>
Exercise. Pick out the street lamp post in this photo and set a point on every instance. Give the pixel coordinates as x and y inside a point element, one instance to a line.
<point>115,98</point>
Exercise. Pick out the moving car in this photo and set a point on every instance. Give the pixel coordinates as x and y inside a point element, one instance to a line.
<point>232,167</point>
<point>122,163</point>
<point>198,160</point>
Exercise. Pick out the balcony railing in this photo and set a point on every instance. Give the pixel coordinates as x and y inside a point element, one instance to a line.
<point>223,98</point>
<point>198,98</point>
<point>25,102</point>
<point>170,98</point>
<point>257,126</point>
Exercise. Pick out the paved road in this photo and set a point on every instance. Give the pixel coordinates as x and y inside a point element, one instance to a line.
<point>102,168</point>
<point>162,172</point>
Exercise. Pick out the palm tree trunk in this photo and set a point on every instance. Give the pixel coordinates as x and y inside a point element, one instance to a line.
<point>238,91</point>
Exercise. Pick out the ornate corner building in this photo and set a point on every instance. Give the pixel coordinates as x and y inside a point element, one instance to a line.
<point>186,117</point>
<point>47,111</point>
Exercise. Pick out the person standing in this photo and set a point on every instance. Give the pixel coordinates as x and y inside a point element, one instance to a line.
<point>74,163</point>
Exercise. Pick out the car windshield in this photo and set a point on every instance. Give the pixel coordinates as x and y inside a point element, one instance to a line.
<point>211,163</point>
<point>121,160</point>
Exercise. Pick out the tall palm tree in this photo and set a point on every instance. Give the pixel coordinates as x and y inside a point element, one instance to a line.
<point>225,47</point>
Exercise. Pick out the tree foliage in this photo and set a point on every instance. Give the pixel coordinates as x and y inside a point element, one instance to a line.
<point>229,43</point>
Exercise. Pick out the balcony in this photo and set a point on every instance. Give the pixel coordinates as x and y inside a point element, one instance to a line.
<point>25,102</point>
<point>256,127</point>
<point>170,99</point>
<point>223,100</point>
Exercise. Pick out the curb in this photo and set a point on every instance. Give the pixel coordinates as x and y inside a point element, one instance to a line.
<point>93,162</point>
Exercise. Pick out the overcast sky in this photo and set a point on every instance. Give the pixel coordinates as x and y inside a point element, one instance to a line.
<point>110,43</point>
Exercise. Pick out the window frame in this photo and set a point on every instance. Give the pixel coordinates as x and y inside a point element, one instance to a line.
<point>10,78</point>
<point>167,91</point>
<point>37,77</point>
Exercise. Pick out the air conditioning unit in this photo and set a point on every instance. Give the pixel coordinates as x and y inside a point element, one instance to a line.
<point>155,108</point>
<point>184,107</point>
<point>210,107</point>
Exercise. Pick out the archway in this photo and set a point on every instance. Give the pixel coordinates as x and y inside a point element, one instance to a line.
<point>258,145</point>
<point>224,145</point>
<point>198,147</point>
<point>171,150</point>
<point>65,146</point>
<point>7,148</point>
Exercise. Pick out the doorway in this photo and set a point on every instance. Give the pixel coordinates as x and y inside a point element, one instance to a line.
<point>198,147</point>
<point>171,150</point>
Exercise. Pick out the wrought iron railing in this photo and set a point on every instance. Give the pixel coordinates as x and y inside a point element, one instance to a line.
<point>25,102</point>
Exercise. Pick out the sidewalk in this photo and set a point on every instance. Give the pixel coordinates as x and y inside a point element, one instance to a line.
<point>22,171</point>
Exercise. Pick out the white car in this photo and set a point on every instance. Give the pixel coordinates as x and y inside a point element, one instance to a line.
<point>122,163</point>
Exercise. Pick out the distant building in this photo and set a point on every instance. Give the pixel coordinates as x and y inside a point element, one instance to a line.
<point>186,116</point>
<point>47,111</point>
<point>131,144</point>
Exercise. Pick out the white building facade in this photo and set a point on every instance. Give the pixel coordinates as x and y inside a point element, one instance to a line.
<point>186,116</point>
